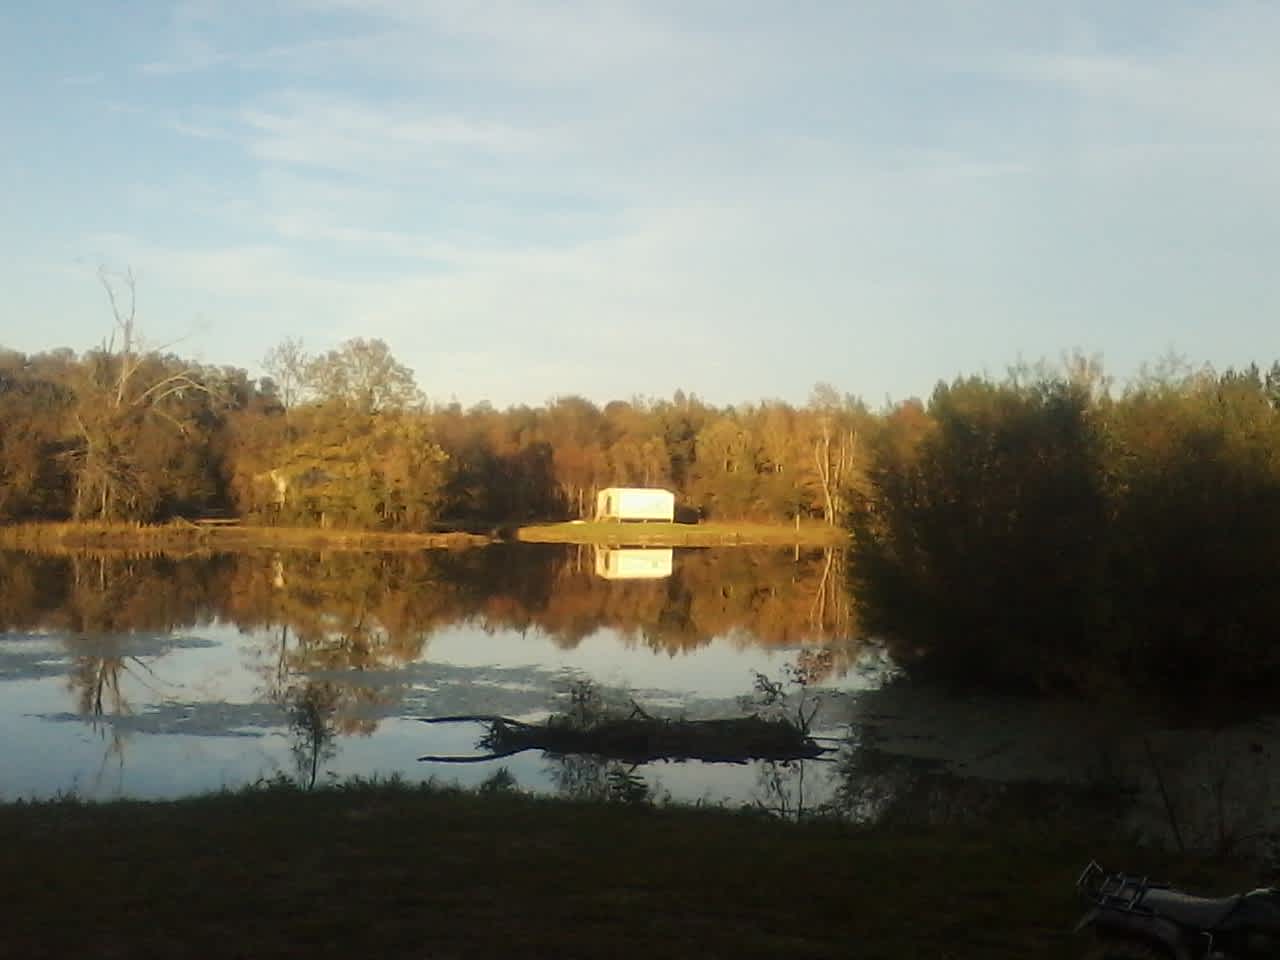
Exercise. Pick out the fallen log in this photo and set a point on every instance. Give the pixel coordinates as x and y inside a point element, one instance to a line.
<point>640,738</point>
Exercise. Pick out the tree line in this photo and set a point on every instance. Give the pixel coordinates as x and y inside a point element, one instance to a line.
<point>1050,532</point>
<point>344,438</point>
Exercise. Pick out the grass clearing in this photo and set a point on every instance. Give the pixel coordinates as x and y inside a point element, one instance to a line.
<point>613,533</point>
<point>389,870</point>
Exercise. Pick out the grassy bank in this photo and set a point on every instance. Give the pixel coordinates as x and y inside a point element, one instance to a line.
<point>392,871</point>
<point>193,538</point>
<point>190,537</point>
<point>684,534</point>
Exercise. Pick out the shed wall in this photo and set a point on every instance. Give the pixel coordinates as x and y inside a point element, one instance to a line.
<point>635,503</point>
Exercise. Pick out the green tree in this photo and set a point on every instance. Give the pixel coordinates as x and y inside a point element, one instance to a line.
<point>725,479</point>
<point>363,374</point>
<point>978,547</point>
<point>342,467</point>
<point>1194,561</point>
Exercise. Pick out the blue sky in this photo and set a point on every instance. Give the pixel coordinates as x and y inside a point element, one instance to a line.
<point>609,198</point>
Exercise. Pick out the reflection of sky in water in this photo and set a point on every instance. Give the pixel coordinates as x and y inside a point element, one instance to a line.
<point>718,670</point>
<point>194,711</point>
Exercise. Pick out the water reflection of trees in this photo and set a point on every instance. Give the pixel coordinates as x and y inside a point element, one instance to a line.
<point>1206,792</point>
<point>94,681</point>
<point>95,594</point>
<point>791,789</point>
<point>331,629</point>
<point>1212,791</point>
<point>598,780</point>
<point>351,611</point>
<point>311,710</point>
<point>99,666</point>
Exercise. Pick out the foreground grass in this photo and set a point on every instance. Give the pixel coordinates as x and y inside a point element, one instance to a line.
<point>394,871</point>
<point>684,534</point>
<point>193,538</point>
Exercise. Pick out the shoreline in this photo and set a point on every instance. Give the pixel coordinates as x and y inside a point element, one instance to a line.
<point>196,538</point>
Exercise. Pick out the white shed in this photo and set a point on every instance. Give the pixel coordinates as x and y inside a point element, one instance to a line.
<point>635,503</point>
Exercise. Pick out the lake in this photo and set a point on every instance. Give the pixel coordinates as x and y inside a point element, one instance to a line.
<point>162,676</point>
<point>156,676</point>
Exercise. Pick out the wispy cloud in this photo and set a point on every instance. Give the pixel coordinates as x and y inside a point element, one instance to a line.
<point>191,63</point>
<point>1208,92</point>
<point>342,133</point>
<point>1206,74</point>
<point>82,79</point>
<point>302,58</point>
<point>199,131</point>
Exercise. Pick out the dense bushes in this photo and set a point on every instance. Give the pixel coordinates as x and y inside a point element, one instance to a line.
<point>1041,534</point>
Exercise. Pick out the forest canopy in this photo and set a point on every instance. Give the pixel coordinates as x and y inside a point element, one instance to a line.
<point>346,439</point>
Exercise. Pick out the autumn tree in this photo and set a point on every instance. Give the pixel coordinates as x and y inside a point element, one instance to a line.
<point>787,482</point>
<point>34,406</point>
<point>835,448</point>
<point>339,466</point>
<point>724,473</point>
<point>575,428</point>
<point>637,452</point>
<point>680,420</point>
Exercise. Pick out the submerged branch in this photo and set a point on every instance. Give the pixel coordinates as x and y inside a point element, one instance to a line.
<point>475,718</point>
<point>481,758</point>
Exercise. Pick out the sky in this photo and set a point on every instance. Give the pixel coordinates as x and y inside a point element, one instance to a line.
<point>618,199</point>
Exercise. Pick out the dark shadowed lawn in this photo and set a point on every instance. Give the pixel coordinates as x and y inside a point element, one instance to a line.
<point>392,871</point>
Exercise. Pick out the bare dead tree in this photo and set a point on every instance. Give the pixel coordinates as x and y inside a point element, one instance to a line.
<point>114,398</point>
<point>287,364</point>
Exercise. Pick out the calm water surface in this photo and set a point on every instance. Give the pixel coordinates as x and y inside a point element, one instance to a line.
<point>158,677</point>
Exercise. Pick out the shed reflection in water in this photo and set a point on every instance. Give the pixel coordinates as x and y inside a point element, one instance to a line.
<point>633,563</point>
